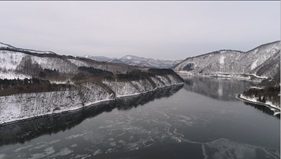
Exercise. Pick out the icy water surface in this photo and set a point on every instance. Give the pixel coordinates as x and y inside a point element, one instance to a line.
<point>202,119</point>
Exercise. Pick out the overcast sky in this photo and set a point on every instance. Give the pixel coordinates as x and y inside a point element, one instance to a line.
<point>162,30</point>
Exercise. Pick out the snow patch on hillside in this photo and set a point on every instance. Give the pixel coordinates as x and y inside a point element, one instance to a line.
<point>254,65</point>
<point>55,63</point>
<point>128,57</point>
<point>12,75</point>
<point>78,63</point>
<point>145,62</point>
<point>10,60</point>
<point>261,61</point>
<point>222,60</point>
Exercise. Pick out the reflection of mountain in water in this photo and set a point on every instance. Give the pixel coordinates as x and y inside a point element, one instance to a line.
<point>264,109</point>
<point>218,88</point>
<point>222,89</point>
<point>30,129</point>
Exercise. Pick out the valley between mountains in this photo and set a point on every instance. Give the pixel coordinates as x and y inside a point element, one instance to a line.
<point>37,83</point>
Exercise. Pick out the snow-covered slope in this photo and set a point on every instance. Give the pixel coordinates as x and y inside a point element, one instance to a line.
<point>100,58</point>
<point>262,61</point>
<point>87,82</point>
<point>14,62</point>
<point>7,46</point>
<point>60,122</point>
<point>23,106</point>
<point>137,61</point>
<point>22,63</point>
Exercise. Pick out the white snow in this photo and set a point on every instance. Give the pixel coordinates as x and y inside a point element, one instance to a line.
<point>147,62</point>
<point>37,52</point>
<point>222,60</point>
<point>261,77</point>
<point>10,60</point>
<point>78,63</point>
<point>28,105</point>
<point>10,111</point>
<point>235,62</point>
<point>54,63</point>
<point>254,64</point>
<point>12,75</point>
<point>24,106</point>
<point>254,100</point>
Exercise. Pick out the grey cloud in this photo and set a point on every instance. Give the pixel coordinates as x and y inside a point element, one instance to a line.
<point>164,30</point>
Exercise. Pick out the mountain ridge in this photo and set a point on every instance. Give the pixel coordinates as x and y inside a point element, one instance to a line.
<point>34,84</point>
<point>261,61</point>
<point>138,61</point>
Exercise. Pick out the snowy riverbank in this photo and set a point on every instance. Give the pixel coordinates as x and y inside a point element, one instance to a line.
<point>29,105</point>
<point>221,75</point>
<point>253,100</point>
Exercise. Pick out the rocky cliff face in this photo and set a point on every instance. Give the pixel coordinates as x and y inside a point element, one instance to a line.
<point>263,61</point>
<point>28,105</point>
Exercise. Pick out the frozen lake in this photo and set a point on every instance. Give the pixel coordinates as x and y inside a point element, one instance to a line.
<point>202,119</point>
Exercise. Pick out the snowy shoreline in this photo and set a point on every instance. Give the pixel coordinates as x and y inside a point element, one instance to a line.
<point>73,109</point>
<point>222,75</point>
<point>254,101</point>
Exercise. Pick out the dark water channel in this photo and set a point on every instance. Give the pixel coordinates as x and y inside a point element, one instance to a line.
<point>201,119</point>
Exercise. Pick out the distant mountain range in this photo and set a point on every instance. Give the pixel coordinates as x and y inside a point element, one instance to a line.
<point>35,83</point>
<point>17,62</point>
<point>137,61</point>
<point>100,58</point>
<point>262,61</point>
<point>260,64</point>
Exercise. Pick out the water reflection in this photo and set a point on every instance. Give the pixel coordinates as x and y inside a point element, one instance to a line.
<point>222,89</point>
<point>33,128</point>
<point>184,125</point>
<point>263,109</point>
<point>217,88</point>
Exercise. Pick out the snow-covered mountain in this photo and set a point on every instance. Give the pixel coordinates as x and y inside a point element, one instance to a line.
<point>145,62</point>
<point>137,61</point>
<point>100,58</point>
<point>23,106</point>
<point>22,63</point>
<point>7,46</point>
<point>79,82</point>
<point>262,61</point>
